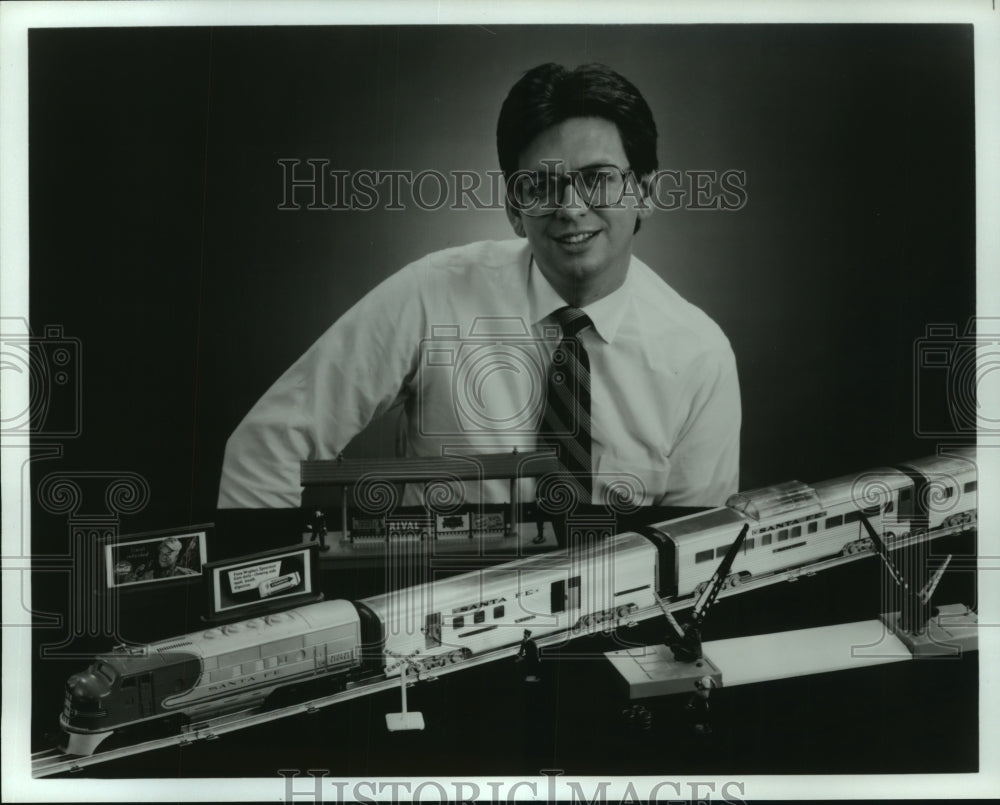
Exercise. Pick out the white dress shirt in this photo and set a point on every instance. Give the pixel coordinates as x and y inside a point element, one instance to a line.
<point>462,339</point>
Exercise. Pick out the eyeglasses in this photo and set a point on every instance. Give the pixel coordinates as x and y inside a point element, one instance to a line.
<point>540,192</point>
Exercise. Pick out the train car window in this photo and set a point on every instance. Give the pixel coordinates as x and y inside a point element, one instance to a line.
<point>432,630</point>
<point>459,621</point>
<point>783,535</point>
<point>721,550</point>
<point>905,502</point>
<point>479,616</point>
<point>574,593</point>
<point>852,517</point>
<point>796,531</point>
<point>557,597</point>
<point>129,682</point>
<point>812,527</point>
<point>748,544</point>
<point>703,556</point>
<point>970,486</point>
<point>949,491</point>
<point>765,540</point>
<point>833,522</point>
<point>498,611</point>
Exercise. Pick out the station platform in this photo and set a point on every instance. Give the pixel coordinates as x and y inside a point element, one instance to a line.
<point>375,552</point>
<point>653,671</point>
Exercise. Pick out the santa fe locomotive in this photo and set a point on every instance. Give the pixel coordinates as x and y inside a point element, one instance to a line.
<point>241,665</point>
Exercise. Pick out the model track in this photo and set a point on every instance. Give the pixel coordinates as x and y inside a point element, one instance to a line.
<point>55,761</point>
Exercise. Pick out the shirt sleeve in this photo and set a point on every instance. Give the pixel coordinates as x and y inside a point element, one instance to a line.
<point>358,369</point>
<point>705,462</point>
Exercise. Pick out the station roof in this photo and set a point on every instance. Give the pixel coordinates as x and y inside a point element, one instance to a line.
<point>346,472</point>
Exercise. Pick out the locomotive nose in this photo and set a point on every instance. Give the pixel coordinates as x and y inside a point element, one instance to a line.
<point>84,694</point>
<point>86,686</point>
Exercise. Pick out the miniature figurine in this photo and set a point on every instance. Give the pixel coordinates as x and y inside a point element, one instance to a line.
<point>698,705</point>
<point>318,528</point>
<point>529,654</point>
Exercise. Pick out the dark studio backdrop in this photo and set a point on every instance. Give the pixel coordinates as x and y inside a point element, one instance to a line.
<point>156,238</point>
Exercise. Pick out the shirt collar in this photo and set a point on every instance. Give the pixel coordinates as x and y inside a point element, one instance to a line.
<point>606,313</point>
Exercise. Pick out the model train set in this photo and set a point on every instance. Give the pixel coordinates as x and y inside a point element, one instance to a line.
<point>569,591</point>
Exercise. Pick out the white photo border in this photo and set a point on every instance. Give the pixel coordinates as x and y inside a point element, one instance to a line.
<point>17,18</point>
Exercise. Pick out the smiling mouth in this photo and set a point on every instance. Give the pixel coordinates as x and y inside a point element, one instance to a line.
<point>576,237</point>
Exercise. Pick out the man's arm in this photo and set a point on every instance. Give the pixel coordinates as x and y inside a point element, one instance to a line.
<point>705,462</point>
<point>356,371</point>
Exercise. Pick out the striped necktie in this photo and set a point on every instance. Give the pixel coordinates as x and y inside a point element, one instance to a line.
<point>566,420</point>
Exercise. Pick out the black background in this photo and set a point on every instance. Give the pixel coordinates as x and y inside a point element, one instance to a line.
<point>156,240</point>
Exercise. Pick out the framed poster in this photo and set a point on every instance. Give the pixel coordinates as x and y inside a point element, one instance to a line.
<point>279,579</point>
<point>156,556</point>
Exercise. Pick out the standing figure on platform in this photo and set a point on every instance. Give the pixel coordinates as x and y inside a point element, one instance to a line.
<point>318,528</point>
<point>528,654</point>
<point>698,706</point>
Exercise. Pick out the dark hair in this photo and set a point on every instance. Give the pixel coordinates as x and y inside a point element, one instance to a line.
<point>549,94</point>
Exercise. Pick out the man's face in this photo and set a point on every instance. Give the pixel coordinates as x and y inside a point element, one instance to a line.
<point>580,248</point>
<point>168,556</point>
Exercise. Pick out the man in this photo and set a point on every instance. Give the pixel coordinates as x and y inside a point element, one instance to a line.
<point>474,342</point>
<point>166,565</point>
